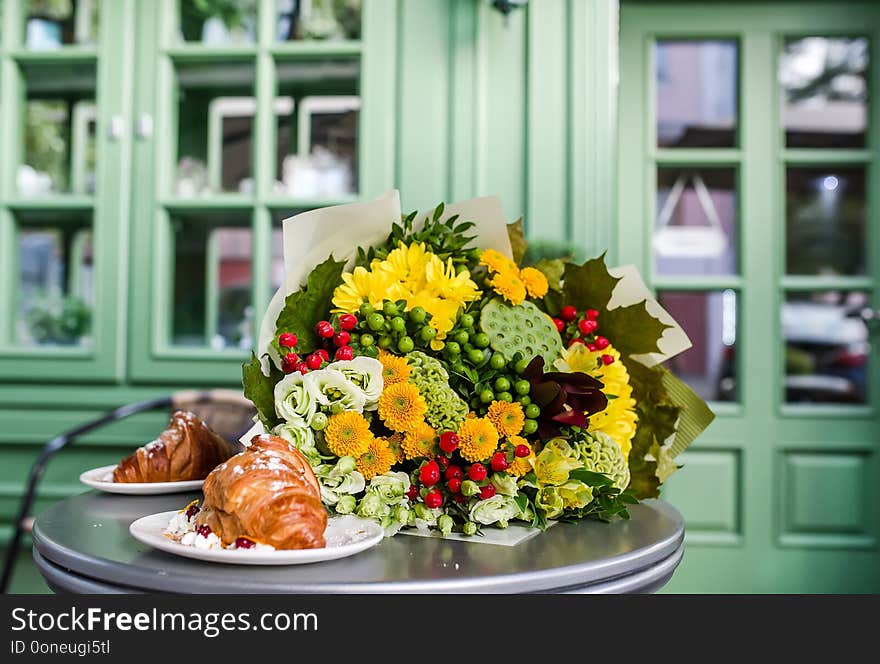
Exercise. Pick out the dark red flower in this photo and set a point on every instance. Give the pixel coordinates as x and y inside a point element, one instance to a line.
<point>564,398</point>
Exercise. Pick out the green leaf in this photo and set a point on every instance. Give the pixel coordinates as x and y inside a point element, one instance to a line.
<point>588,286</point>
<point>260,389</point>
<point>517,240</point>
<point>310,304</point>
<point>632,330</point>
<point>590,478</point>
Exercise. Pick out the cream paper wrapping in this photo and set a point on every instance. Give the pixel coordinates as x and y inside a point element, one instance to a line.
<point>310,237</point>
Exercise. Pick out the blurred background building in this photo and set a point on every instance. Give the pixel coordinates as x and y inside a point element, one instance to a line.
<point>151,148</point>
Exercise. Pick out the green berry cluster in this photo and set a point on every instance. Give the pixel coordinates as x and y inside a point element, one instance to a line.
<point>391,327</point>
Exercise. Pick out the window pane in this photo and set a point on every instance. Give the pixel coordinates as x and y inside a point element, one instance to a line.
<point>59,129</point>
<point>56,290</point>
<point>825,220</point>
<point>695,232</point>
<point>826,347</point>
<point>53,24</point>
<point>825,92</point>
<point>212,283</point>
<point>317,133</point>
<point>215,129</point>
<point>710,320</point>
<point>319,19</point>
<point>697,89</point>
<point>218,23</point>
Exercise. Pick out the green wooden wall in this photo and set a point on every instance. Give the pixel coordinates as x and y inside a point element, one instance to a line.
<point>464,103</point>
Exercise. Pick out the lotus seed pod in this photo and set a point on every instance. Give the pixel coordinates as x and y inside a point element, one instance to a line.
<point>601,454</point>
<point>522,328</point>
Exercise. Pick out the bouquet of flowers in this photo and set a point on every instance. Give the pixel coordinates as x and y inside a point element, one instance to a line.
<point>434,379</point>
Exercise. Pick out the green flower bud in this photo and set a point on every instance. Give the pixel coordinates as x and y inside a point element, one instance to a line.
<point>469,528</point>
<point>402,514</point>
<point>445,523</point>
<point>319,421</point>
<point>470,488</point>
<point>371,506</point>
<point>346,464</point>
<point>346,505</point>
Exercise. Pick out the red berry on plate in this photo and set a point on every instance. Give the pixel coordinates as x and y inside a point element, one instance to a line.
<point>429,474</point>
<point>522,451</point>
<point>602,343</point>
<point>314,361</point>
<point>454,485</point>
<point>287,340</point>
<point>244,543</point>
<point>498,462</point>
<point>289,362</point>
<point>559,323</point>
<point>487,491</point>
<point>433,499</point>
<point>477,472</point>
<point>607,359</point>
<point>348,322</point>
<point>341,338</point>
<point>568,312</point>
<point>324,329</point>
<point>413,492</point>
<point>592,314</point>
<point>191,511</point>
<point>204,530</point>
<point>453,471</point>
<point>587,326</point>
<point>344,353</point>
<point>448,441</point>
<point>303,368</point>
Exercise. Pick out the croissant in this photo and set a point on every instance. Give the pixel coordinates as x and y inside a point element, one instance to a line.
<point>187,450</point>
<point>269,494</point>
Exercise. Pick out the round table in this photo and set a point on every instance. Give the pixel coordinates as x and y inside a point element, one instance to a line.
<point>82,545</point>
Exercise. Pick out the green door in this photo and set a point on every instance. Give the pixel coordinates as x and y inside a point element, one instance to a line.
<point>748,183</point>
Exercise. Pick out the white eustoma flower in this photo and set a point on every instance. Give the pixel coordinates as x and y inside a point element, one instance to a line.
<point>366,373</point>
<point>334,391</point>
<point>295,400</point>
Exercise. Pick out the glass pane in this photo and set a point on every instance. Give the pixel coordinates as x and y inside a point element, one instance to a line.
<point>218,22</point>
<point>695,232</point>
<point>58,137</point>
<point>696,86</point>
<point>51,24</point>
<point>825,92</point>
<point>825,220</point>
<point>56,289</point>
<point>710,320</point>
<point>317,133</point>
<point>826,346</point>
<point>319,19</point>
<point>212,283</point>
<point>216,109</point>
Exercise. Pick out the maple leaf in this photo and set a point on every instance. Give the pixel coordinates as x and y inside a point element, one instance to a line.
<point>310,304</point>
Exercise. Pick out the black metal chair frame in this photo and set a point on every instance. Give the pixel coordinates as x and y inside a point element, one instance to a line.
<point>60,442</point>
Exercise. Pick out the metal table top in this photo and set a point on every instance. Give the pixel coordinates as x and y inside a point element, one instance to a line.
<point>82,544</point>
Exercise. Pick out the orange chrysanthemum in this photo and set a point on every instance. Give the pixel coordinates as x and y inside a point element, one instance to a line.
<point>394,369</point>
<point>508,418</point>
<point>509,286</point>
<point>535,282</point>
<point>420,441</point>
<point>520,465</point>
<point>478,439</point>
<point>376,460</point>
<point>401,406</point>
<point>348,434</point>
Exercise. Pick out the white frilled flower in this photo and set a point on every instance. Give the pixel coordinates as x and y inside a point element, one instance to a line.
<point>366,373</point>
<point>339,479</point>
<point>497,509</point>
<point>334,391</point>
<point>295,400</point>
<point>302,438</point>
<point>391,487</point>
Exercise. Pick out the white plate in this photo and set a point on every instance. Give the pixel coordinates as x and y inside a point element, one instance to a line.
<point>345,536</point>
<point>102,480</point>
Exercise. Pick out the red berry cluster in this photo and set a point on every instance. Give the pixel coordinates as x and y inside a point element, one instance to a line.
<point>581,328</point>
<point>329,336</point>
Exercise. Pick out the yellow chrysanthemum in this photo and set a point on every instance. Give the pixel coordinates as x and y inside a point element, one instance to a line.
<point>394,369</point>
<point>619,418</point>
<point>520,465</point>
<point>419,441</point>
<point>348,434</point>
<point>496,261</point>
<point>401,406</point>
<point>376,460</point>
<point>535,282</point>
<point>507,418</point>
<point>364,285</point>
<point>508,285</point>
<point>478,439</point>
<point>395,444</point>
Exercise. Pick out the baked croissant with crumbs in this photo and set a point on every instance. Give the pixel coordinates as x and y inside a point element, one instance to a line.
<point>268,494</point>
<point>187,450</point>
